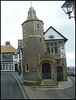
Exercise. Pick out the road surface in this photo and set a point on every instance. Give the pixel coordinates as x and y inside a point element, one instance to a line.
<point>10,88</point>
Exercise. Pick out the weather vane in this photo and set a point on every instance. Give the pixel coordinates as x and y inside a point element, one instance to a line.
<point>31,4</point>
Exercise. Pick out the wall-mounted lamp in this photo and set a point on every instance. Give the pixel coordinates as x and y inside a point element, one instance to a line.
<point>68,8</point>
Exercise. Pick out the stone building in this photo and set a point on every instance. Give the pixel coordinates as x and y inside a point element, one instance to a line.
<point>43,52</point>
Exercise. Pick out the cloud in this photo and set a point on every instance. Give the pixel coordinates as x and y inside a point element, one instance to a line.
<point>70,56</point>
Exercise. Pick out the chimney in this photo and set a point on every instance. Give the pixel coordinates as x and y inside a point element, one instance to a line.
<point>7,43</point>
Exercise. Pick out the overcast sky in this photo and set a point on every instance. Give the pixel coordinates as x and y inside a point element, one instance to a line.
<point>14,13</point>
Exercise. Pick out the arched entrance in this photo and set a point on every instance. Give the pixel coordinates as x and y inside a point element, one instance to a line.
<point>46,71</point>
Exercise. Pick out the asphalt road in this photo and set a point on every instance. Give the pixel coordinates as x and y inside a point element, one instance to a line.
<point>10,88</point>
<point>68,93</point>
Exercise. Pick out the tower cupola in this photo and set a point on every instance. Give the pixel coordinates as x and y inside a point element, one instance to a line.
<point>32,14</point>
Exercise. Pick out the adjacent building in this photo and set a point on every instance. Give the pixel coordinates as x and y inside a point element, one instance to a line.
<point>20,52</point>
<point>9,57</point>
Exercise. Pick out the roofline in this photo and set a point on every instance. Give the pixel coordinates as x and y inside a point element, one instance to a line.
<point>8,45</point>
<point>32,20</point>
<point>56,31</point>
<point>7,52</point>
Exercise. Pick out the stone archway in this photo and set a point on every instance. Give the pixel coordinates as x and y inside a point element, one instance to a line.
<point>46,71</point>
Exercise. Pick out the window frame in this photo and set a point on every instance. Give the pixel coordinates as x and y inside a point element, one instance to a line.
<point>53,45</point>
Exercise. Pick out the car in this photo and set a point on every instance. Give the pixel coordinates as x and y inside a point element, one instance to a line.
<point>70,70</point>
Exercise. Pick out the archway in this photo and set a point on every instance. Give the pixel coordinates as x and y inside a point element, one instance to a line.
<point>46,71</point>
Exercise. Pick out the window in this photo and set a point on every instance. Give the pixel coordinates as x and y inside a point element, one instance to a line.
<point>55,43</point>
<point>16,56</point>
<point>6,67</point>
<point>37,25</point>
<point>47,44</point>
<point>51,50</point>
<point>40,40</point>
<point>48,49</point>
<point>3,66</point>
<point>52,44</point>
<point>26,67</point>
<point>52,47</point>
<point>25,43</point>
<point>56,50</point>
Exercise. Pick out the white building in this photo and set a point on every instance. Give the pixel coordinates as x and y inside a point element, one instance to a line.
<point>9,58</point>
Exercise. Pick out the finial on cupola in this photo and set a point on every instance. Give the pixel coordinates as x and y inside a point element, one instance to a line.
<point>31,4</point>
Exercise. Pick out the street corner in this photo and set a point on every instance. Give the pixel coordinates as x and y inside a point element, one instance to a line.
<point>65,84</point>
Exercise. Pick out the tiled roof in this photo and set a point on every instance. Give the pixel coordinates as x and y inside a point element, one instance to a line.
<point>7,49</point>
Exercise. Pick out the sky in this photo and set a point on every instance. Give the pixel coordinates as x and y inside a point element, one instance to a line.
<point>14,13</point>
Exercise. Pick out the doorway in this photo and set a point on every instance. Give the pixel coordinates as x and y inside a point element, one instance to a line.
<point>46,71</point>
<point>59,74</point>
<point>16,67</point>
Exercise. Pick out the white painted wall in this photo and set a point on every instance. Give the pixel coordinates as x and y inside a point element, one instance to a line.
<point>62,50</point>
<point>52,32</point>
<point>15,61</point>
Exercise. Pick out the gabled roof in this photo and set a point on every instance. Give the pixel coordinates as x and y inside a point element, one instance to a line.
<point>62,37</point>
<point>8,49</point>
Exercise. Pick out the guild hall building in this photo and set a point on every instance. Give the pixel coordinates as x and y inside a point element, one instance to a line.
<point>43,53</point>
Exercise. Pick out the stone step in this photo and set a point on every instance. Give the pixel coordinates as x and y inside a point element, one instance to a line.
<point>42,86</point>
<point>48,84</point>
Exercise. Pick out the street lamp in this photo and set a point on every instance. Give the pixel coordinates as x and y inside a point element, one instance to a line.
<point>68,8</point>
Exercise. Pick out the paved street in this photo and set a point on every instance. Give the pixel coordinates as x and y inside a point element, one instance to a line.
<point>47,93</point>
<point>68,93</point>
<point>10,88</point>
